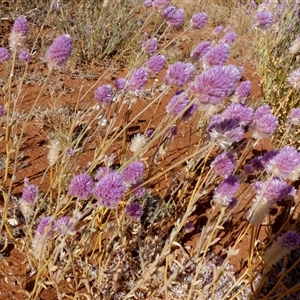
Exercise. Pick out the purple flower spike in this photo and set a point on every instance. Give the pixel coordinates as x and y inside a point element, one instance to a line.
<point>29,193</point>
<point>242,114</point>
<point>4,54</point>
<point>199,20</point>
<point>294,79</point>
<point>179,73</point>
<point>62,225</point>
<point>138,79</point>
<point>178,103</point>
<point>200,50</point>
<point>133,172</point>
<point>173,16</point>
<point>216,83</point>
<point>44,224</point>
<point>20,26</point>
<point>1,110</point>
<point>188,114</point>
<point>159,4</point>
<point>284,163</point>
<point>289,241</point>
<point>224,193</point>
<point>81,186</point>
<point>218,30</point>
<point>294,117</point>
<point>223,164</point>
<point>229,38</point>
<point>264,19</point>
<point>273,191</point>
<point>264,122</point>
<point>242,92</point>
<point>58,53</point>
<point>156,63</point>
<point>225,132</point>
<point>110,189</point>
<point>134,210</point>
<point>150,46</point>
<point>216,56</point>
<point>104,94</point>
<point>24,56</point>
<point>120,84</point>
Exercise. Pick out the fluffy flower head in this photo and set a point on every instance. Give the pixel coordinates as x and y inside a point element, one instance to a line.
<point>216,56</point>
<point>178,103</point>
<point>59,51</point>
<point>134,210</point>
<point>110,189</point>
<point>156,63</point>
<point>138,79</point>
<point>173,15</point>
<point>216,83</point>
<point>104,94</point>
<point>263,19</point>
<point>223,164</point>
<point>199,20</point>
<point>179,73</point>
<point>4,54</point>
<point>81,186</point>
<point>289,241</point>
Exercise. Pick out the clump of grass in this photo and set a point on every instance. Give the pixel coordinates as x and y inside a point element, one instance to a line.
<point>117,226</point>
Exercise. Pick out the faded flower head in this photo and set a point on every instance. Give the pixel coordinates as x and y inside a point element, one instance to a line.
<point>138,142</point>
<point>173,15</point>
<point>295,47</point>
<point>263,19</point>
<point>150,46</point>
<point>289,240</point>
<point>264,123</point>
<point>4,54</point>
<point>54,150</point>
<point>81,186</point>
<point>216,56</point>
<point>216,83</point>
<point>110,189</point>
<point>156,63</point>
<point>24,56</point>
<point>242,92</point>
<point>199,20</point>
<point>62,225</point>
<point>294,79</point>
<point>138,79</point>
<point>59,51</point>
<point>224,193</point>
<point>294,117</point>
<point>178,103</point>
<point>223,164</point>
<point>18,34</point>
<point>225,132</point>
<point>284,163</point>
<point>104,94</point>
<point>200,50</point>
<point>133,172</point>
<point>179,73</point>
<point>134,210</point>
<point>102,172</point>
